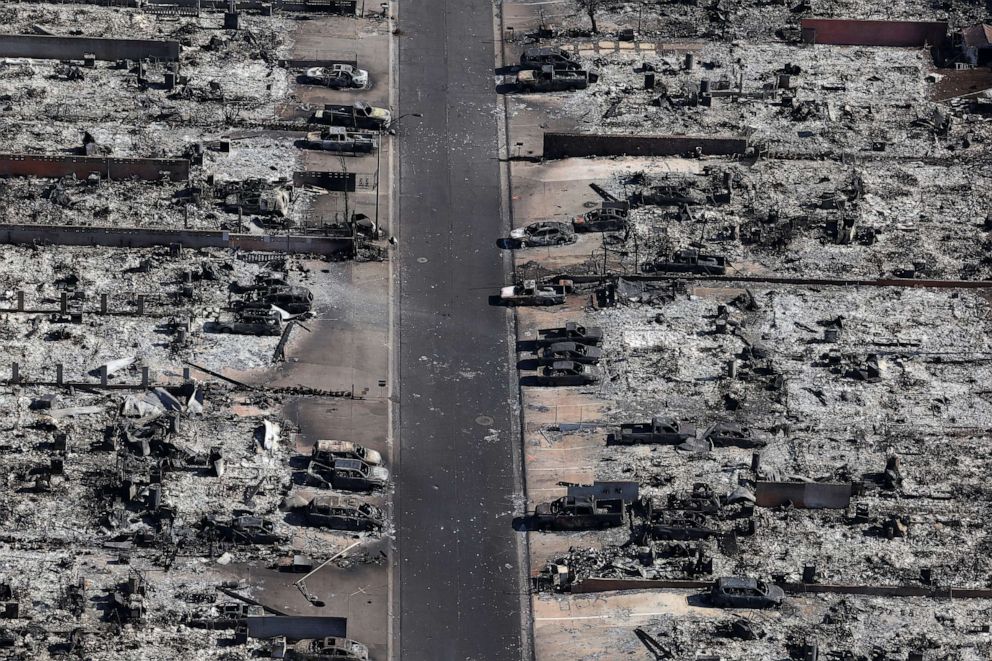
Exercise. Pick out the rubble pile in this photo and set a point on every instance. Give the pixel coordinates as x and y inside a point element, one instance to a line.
<point>790,340</point>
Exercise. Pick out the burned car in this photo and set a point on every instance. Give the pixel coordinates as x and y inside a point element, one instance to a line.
<point>729,434</point>
<point>544,233</point>
<point>344,514</point>
<point>579,513</point>
<point>340,139</point>
<point>535,58</point>
<point>529,292</point>
<point>568,373</point>
<point>294,300</point>
<point>348,475</point>
<point>337,76</point>
<point>688,260</point>
<point>571,332</point>
<point>666,431</point>
<point>609,217</point>
<point>733,592</point>
<point>252,321</point>
<point>328,649</point>
<point>578,353</point>
<point>256,196</point>
<point>327,451</point>
<point>242,529</point>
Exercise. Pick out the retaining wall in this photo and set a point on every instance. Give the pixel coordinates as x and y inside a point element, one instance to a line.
<point>572,145</point>
<point>844,32</point>
<point>39,165</point>
<point>43,47</point>
<point>145,238</point>
<point>332,181</point>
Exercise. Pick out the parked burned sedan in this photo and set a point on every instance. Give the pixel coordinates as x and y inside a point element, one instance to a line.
<point>579,513</point>
<point>578,353</point>
<point>610,217</point>
<point>337,76</point>
<point>550,79</point>
<point>571,332</point>
<point>344,514</point>
<point>543,233</point>
<point>328,451</point>
<point>729,434</point>
<point>734,592</point>
<point>568,373</point>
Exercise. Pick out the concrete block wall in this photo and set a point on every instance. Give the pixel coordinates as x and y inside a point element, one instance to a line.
<point>574,145</point>
<point>41,165</point>
<point>125,237</point>
<point>845,32</point>
<point>44,47</point>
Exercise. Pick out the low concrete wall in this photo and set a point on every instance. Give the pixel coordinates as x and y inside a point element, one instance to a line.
<point>810,495</point>
<point>39,165</point>
<point>297,627</point>
<point>573,145</point>
<point>332,181</point>
<point>124,237</point>
<point>45,47</point>
<point>318,6</point>
<point>844,32</point>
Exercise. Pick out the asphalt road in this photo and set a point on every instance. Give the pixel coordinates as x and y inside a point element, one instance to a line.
<point>456,569</point>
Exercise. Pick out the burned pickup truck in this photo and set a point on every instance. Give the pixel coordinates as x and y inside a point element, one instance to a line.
<point>550,79</point>
<point>529,292</point>
<point>339,139</point>
<point>571,351</point>
<point>536,58</point>
<point>688,260</point>
<point>568,373</point>
<point>584,512</point>
<point>255,196</point>
<point>602,504</point>
<point>358,115</point>
<point>660,430</point>
<point>572,331</point>
<point>242,529</point>
<point>294,300</point>
<point>328,451</point>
